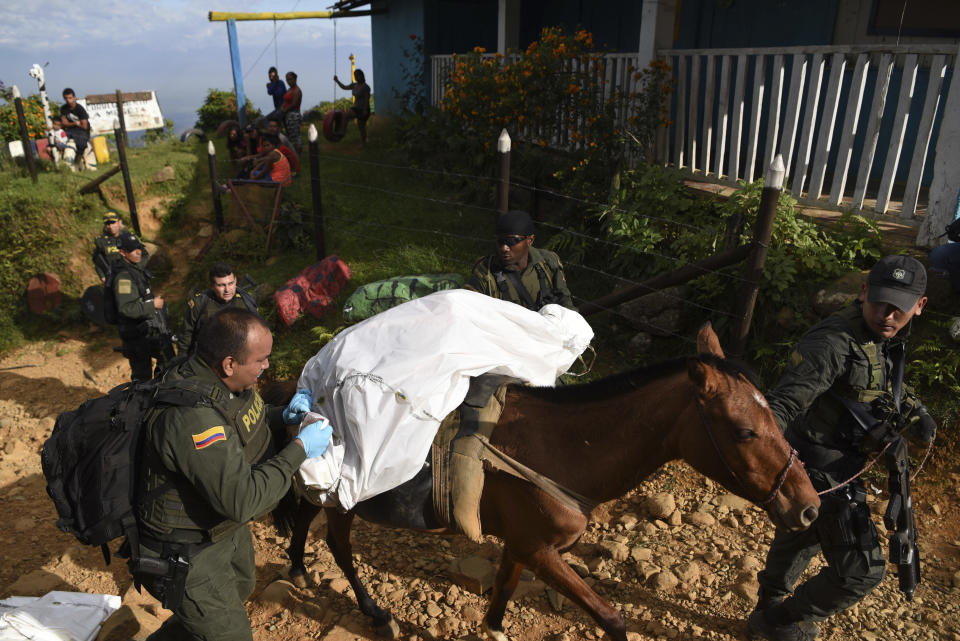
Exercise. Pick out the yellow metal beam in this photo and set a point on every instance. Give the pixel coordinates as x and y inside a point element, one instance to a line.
<point>220,16</point>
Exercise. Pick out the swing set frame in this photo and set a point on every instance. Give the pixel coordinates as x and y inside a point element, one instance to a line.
<point>231,18</point>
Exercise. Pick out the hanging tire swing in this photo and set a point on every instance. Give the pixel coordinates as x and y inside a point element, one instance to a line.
<point>333,125</point>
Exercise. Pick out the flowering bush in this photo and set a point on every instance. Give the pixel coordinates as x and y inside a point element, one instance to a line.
<point>33,112</point>
<point>556,94</point>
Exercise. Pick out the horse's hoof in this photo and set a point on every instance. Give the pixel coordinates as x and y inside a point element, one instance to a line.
<point>493,635</point>
<point>299,579</point>
<point>389,630</point>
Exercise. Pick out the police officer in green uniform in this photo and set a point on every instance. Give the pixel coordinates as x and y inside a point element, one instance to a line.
<point>223,292</point>
<point>210,468</point>
<point>140,314</point>
<point>519,272</point>
<point>106,246</point>
<point>853,357</point>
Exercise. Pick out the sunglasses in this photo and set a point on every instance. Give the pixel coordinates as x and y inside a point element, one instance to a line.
<point>510,241</point>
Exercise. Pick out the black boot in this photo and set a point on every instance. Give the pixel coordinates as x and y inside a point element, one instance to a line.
<point>760,627</point>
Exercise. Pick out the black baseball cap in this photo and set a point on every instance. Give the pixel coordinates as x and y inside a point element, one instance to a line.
<point>515,222</point>
<point>897,280</point>
<point>110,217</point>
<point>129,242</point>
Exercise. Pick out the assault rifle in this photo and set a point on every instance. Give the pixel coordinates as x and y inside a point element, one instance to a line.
<point>899,519</point>
<point>158,325</point>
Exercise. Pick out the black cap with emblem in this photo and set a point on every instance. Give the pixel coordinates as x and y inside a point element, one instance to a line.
<point>897,280</point>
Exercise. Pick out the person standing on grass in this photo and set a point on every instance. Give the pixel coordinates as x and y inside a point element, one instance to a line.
<point>361,104</point>
<point>275,89</point>
<point>291,111</point>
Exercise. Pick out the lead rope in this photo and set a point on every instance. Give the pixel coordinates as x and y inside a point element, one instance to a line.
<point>875,459</point>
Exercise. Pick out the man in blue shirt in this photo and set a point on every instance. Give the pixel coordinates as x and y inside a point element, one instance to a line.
<point>276,89</point>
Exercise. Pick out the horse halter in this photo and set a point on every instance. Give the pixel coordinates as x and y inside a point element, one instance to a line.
<point>781,477</point>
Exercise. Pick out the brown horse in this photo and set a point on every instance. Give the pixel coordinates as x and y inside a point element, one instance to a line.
<point>599,440</point>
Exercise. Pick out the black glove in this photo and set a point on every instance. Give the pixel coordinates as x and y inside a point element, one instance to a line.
<point>923,430</point>
<point>877,437</point>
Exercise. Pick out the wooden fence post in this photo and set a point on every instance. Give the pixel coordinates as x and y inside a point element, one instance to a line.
<point>123,123</point>
<point>315,192</point>
<point>503,188</point>
<point>24,134</point>
<point>131,203</point>
<point>772,185</point>
<point>214,185</point>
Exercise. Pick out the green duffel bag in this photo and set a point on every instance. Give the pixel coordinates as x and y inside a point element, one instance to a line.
<point>374,298</point>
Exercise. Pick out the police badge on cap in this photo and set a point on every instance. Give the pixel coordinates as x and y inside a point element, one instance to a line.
<point>897,280</point>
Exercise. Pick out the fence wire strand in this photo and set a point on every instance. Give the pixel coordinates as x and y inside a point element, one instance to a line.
<point>582,201</point>
<point>677,261</point>
<point>264,209</point>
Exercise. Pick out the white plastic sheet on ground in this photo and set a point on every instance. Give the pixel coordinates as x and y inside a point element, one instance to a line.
<point>386,383</point>
<point>56,616</point>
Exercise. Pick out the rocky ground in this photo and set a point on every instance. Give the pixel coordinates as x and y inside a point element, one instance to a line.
<point>678,557</point>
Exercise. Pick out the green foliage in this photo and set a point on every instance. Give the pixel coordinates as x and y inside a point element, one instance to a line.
<point>935,364</point>
<point>49,227</point>
<point>33,114</point>
<point>316,113</point>
<point>160,134</point>
<point>655,225</point>
<point>219,106</point>
<point>551,95</point>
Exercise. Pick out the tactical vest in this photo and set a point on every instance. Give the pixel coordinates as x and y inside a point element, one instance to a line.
<point>180,514</point>
<point>241,299</point>
<point>868,376</point>
<point>141,281</point>
<point>511,287</point>
<point>107,251</point>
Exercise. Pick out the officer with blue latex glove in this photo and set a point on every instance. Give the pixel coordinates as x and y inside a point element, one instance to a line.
<point>298,407</point>
<point>315,437</point>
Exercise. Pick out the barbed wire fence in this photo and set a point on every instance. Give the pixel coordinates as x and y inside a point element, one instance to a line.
<point>390,233</point>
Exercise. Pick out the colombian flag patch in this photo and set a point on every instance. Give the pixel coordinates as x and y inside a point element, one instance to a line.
<point>209,437</point>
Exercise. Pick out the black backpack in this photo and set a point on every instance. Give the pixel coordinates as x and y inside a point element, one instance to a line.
<point>92,457</point>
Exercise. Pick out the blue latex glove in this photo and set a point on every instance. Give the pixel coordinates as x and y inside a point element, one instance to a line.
<point>299,405</point>
<point>315,438</point>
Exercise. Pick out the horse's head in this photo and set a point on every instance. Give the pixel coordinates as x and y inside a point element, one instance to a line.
<point>740,445</point>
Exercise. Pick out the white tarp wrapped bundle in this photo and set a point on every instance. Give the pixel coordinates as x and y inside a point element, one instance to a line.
<point>56,616</point>
<point>386,383</point>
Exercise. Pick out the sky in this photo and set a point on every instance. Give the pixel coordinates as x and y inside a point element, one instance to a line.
<point>169,46</point>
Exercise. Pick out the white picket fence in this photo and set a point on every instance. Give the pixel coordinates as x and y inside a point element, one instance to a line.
<point>734,109</point>
<point>723,96</point>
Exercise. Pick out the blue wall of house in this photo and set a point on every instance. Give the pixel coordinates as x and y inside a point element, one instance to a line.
<point>457,26</point>
<point>390,32</point>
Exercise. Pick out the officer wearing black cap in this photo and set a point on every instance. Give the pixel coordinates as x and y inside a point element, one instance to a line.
<point>141,316</point>
<point>852,359</point>
<point>105,247</point>
<point>519,272</point>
